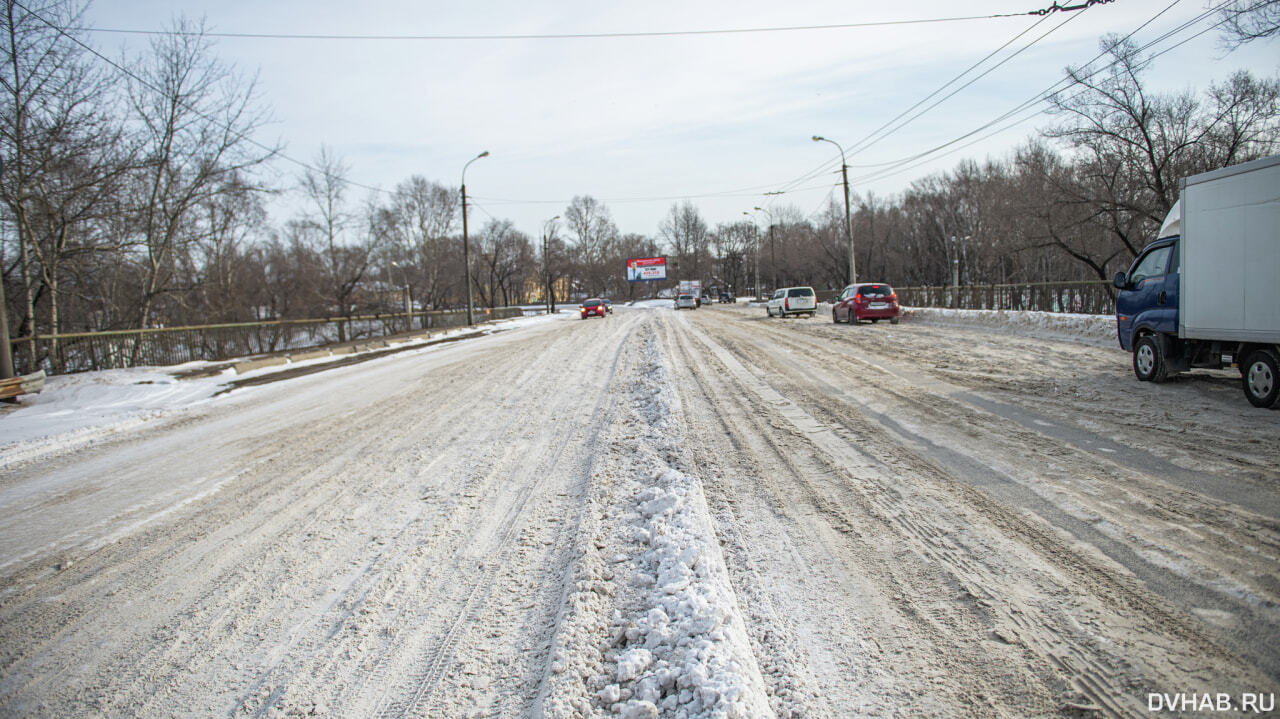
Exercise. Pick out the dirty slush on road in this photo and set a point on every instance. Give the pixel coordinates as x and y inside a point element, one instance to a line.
<point>660,514</point>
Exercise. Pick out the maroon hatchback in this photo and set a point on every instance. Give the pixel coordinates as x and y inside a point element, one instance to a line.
<point>870,301</point>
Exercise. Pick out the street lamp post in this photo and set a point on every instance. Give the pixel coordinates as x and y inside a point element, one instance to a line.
<point>848,221</point>
<point>546,262</point>
<point>773,252</point>
<point>466,243</point>
<point>756,232</point>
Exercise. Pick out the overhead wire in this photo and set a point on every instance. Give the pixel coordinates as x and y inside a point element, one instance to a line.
<point>593,35</point>
<point>905,164</point>
<point>274,152</point>
<point>887,169</point>
<point>871,139</point>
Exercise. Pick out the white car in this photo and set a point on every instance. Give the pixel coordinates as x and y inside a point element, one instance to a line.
<point>686,302</point>
<point>792,301</point>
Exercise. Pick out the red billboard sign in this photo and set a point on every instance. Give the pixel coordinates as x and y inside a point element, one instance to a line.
<point>646,269</point>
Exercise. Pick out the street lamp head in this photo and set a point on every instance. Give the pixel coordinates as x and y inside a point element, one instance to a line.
<point>818,138</point>
<point>483,154</point>
<point>760,209</point>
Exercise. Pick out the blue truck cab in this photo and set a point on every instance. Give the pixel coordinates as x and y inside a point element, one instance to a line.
<point>1148,298</point>
<point>1206,292</point>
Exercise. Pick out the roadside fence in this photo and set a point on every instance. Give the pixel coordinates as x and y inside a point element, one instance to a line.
<point>87,351</point>
<point>1094,297</point>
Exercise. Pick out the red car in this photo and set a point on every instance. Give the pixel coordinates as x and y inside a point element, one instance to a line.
<point>870,301</point>
<point>593,307</point>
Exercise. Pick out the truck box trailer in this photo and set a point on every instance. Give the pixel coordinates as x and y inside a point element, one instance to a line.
<point>1206,292</point>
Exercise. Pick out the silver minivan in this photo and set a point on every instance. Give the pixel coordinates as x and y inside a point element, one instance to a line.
<point>792,301</point>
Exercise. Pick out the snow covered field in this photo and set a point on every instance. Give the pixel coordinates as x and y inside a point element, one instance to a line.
<point>698,514</point>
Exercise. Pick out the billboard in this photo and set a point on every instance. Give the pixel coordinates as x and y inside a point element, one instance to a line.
<point>646,269</point>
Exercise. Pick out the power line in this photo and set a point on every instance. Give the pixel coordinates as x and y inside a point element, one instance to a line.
<point>871,139</point>
<point>901,164</point>
<point>868,141</point>
<point>598,35</point>
<point>274,152</point>
<point>918,159</point>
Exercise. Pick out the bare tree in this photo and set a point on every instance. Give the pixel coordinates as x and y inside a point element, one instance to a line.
<point>196,118</point>
<point>221,256</point>
<point>421,216</point>
<point>326,228</point>
<point>66,155</point>
<point>1244,21</point>
<point>503,255</point>
<point>1130,148</point>
<point>686,233</point>
<point>595,235</point>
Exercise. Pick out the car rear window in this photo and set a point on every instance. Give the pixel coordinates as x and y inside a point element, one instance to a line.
<point>800,292</point>
<point>876,291</point>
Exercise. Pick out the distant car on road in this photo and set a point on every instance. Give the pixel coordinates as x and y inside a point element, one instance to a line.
<point>608,306</point>
<point>593,307</point>
<point>873,301</point>
<point>792,301</point>
<point>686,301</point>
<point>727,298</point>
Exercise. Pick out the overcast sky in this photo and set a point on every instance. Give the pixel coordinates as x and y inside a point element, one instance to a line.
<point>643,122</point>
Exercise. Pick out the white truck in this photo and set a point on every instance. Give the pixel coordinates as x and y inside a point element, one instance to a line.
<point>692,287</point>
<point>1206,292</point>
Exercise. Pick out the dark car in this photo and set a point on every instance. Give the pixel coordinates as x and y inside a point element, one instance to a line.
<point>727,298</point>
<point>608,306</point>
<point>593,307</point>
<point>873,301</point>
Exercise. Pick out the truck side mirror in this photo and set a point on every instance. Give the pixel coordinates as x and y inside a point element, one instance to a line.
<point>1120,281</point>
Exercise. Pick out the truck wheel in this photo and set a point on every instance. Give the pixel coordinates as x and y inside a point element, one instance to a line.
<point>1260,375</point>
<point>1148,360</point>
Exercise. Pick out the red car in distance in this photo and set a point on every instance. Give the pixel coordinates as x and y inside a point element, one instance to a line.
<point>873,301</point>
<point>593,307</point>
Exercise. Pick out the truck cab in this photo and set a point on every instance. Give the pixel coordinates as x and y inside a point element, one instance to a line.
<point>1148,298</point>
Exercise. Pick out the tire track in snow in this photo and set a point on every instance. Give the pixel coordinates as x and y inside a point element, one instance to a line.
<point>426,675</point>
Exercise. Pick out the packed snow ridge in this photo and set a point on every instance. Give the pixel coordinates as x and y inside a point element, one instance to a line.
<point>687,653</point>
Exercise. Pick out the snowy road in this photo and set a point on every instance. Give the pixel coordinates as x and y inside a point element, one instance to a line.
<point>693,514</point>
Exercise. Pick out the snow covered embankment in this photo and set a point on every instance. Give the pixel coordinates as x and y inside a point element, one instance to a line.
<point>652,626</point>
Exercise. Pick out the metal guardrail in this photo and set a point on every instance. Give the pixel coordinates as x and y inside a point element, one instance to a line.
<point>1093,297</point>
<point>87,351</point>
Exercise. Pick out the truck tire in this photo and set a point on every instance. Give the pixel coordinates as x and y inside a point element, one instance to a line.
<point>1260,376</point>
<point>1148,359</point>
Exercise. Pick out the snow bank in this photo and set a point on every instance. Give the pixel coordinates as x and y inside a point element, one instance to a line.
<point>686,651</point>
<point>1097,330</point>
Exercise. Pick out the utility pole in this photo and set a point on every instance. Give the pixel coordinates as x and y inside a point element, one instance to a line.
<point>755,235</point>
<point>466,243</point>
<point>773,251</point>
<point>848,218</point>
<point>546,263</point>
<point>6,349</point>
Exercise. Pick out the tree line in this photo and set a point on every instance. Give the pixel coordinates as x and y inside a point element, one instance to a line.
<point>133,194</point>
